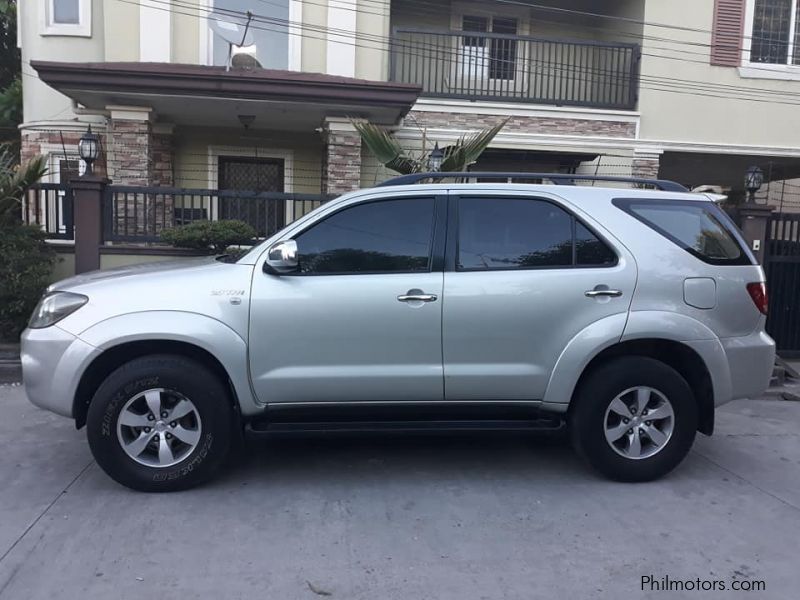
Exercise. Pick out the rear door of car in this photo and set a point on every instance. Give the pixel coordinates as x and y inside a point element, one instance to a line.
<point>523,275</point>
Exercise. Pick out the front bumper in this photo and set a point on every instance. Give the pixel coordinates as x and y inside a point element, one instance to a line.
<point>52,363</point>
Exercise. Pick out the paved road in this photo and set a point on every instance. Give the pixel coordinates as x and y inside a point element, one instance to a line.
<point>410,518</point>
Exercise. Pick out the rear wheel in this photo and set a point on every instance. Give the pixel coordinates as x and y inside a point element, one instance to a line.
<point>633,419</point>
<point>160,423</point>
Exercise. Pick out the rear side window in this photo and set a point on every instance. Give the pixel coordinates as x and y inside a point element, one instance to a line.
<point>523,233</point>
<point>700,228</point>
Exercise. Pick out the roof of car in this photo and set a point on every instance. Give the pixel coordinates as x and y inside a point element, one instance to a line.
<point>568,192</point>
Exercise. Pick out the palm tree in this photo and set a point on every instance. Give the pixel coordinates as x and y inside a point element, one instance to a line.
<point>457,157</point>
<point>14,182</point>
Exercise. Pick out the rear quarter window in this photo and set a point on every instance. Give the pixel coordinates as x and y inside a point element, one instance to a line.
<point>700,228</point>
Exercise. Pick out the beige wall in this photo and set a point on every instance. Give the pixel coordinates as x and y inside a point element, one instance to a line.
<point>194,170</point>
<point>314,19</point>
<point>372,39</point>
<point>121,31</point>
<point>691,116</point>
<point>41,102</point>
<point>185,47</point>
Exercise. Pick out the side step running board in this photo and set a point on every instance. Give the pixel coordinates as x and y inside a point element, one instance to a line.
<point>279,429</point>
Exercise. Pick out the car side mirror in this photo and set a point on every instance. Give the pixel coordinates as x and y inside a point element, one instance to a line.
<point>282,258</point>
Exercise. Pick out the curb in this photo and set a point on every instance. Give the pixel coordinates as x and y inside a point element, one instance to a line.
<point>10,365</point>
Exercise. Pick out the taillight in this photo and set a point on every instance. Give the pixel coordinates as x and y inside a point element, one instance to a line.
<point>758,292</point>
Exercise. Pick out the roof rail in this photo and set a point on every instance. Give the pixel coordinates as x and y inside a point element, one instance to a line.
<point>556,178</point>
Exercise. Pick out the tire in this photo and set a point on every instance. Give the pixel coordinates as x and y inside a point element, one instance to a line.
<point>197,440</point>
<point>594,422</point>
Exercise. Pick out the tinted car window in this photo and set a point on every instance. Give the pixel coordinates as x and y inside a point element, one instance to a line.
<point>520,233</point>
<point>378,237</point>
<point>699,227</point>
<point>589,250</point>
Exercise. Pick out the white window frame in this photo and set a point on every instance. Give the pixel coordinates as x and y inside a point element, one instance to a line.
<point>83,28</point>
<point>758,70</point>
<point>294,31</point>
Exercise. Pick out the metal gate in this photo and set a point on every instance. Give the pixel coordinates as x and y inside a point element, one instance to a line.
<point>782,266</point>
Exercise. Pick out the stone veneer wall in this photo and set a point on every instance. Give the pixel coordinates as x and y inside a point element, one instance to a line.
<point>139,157</point>
<point>35,142</point>
<point>341,161</point>
<point>128,151</point>
<point>522,124</point>
<point>161,153</point>
<point>646,167</point>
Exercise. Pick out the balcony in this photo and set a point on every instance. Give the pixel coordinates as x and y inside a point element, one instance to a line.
<point>514,68</point>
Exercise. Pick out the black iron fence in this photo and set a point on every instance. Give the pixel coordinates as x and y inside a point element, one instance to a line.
<point>782,266</point>
<point>493,66</point>
<point>50,206</point>
<point>140,214</point>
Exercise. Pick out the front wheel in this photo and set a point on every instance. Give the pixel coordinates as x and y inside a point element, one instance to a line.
<point>633,419</point>
<point>160,423</point>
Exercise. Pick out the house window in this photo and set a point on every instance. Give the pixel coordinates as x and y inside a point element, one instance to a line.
<point>270,33</point>
<point>775,32</point>
<point>67,18</point>
<point>493,57</point>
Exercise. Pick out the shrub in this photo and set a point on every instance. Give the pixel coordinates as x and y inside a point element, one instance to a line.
<point>213,236</point>
<point>25,271</point>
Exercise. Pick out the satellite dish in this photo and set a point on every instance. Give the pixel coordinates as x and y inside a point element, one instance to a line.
<point>245,58</point>
<point>234,31</point>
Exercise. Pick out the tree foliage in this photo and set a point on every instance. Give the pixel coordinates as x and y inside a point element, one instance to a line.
<point>14,181</point>
<point>10,77</point>
<point>10,59</point>
<point>25,272</point>
<point>457,156</point>
<point>211,236</point>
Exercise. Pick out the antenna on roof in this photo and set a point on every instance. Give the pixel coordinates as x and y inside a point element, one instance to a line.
<point>232,32</point>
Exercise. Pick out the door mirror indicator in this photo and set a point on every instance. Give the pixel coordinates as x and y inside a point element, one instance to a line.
<point>282,258</point>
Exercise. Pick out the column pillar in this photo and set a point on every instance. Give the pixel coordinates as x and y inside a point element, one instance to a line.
<point>341,161</point>
<point>645,164</point>
<point>754,219</point>
<point>140,153</point>
<point>88,192</point>
<point>128,142</point>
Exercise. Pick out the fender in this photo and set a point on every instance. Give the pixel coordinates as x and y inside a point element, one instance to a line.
<point>691,332</point>
<point>578,353</point>
<point>598,336</point>
<point>207,333</point>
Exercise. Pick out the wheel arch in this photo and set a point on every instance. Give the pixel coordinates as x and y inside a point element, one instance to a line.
<point>678,340</point>
<point>115,356</point>
<point>681,357</point>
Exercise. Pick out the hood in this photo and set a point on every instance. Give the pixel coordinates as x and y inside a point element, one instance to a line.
<point>119,273</point>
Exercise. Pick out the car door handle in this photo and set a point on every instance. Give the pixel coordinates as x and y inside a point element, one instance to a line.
<point>600,293</point>
<point>418,298</point>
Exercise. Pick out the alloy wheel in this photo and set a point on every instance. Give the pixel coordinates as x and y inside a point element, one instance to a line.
<point>158,427</point>
<point>639,422</point>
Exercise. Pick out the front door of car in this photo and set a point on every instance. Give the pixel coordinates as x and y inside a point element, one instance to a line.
<point>524,276</point>
<point>361,318</point>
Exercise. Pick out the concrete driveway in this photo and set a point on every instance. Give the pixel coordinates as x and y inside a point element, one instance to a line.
<point>405,518</point>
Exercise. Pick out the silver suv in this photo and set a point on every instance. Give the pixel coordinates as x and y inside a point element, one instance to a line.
<point>628,314</point>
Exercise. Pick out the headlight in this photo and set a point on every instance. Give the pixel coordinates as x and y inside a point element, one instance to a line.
<point>55,306</point>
